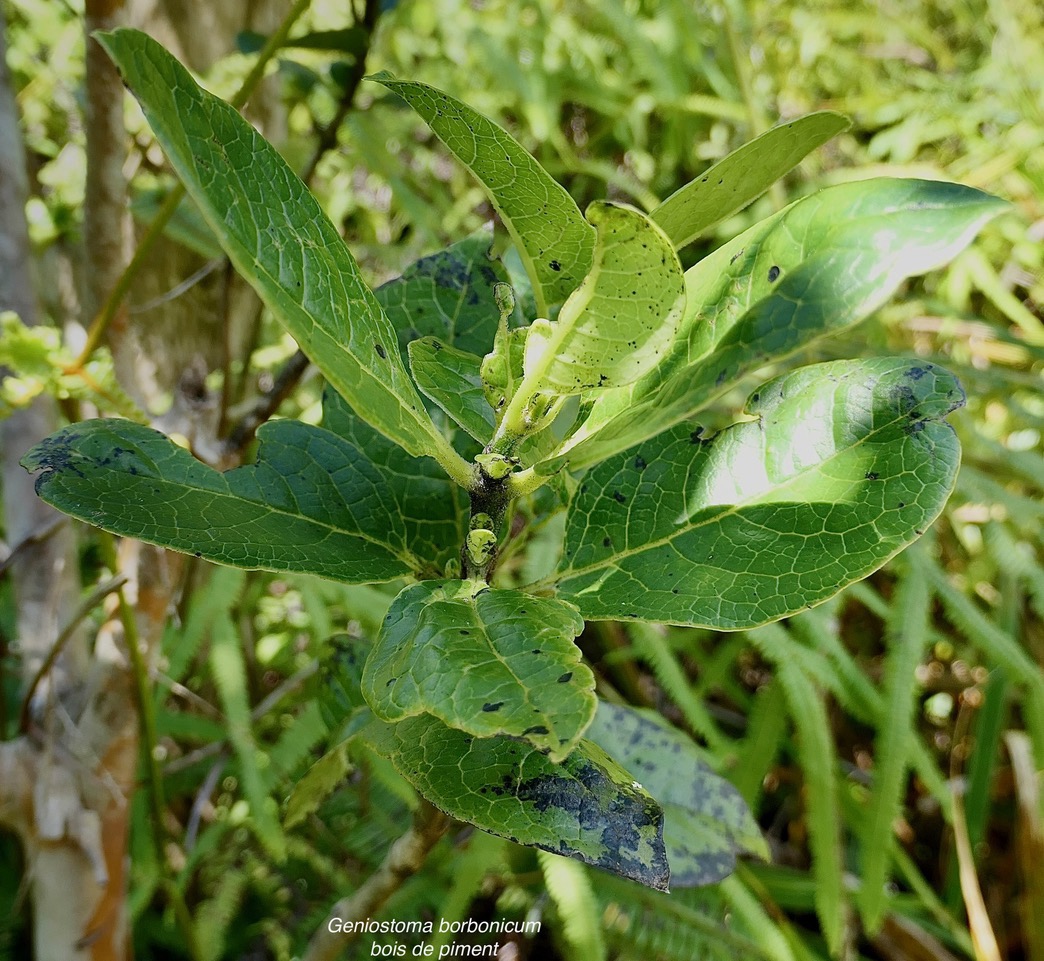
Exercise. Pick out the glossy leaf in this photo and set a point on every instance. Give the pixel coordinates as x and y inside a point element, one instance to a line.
<point>279,239</point>
<point>844,465</point>
<point>587,807</point>
<point>706,822</point>
<point>817,267</point>
<point>553,238</point>
<point>742,176</point>
<point>312,503</point>
<point>433,511</point>
<point>621,320</point>
<point>452,379</point>
<point>448,295</point>
<point>485,661</point>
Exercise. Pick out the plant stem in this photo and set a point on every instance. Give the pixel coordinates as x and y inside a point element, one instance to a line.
<point>114,301</point>
<point>405,857</point>
<point>86,606</point>
<point>149,740</point>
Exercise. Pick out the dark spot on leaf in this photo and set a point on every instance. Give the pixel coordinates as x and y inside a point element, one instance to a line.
<point>902,504</point>
<point>380,351</point>
<point>916,373</point>
<point>555,265</point>
<point>199,553</point>
<point>721,378</point>
<point>607,542</point>
<point>566,678</point>
<point>736,256</point>
<point>639,463</point>
<point>870,475</point>
<point>391,681</point>
<point>490,706</point>
<point>694,437</point>
<point>465,632</point>
<point>773,274</point>
<point>619,498</point>
<point>436,346</point>
<point>535,729</point>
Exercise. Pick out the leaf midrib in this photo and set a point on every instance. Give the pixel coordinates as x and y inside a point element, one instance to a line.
<point>732,509</point>
<point>406,557</point>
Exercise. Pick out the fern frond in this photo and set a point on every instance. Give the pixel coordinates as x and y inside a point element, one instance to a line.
<point>295,744</point>
<point>226,662</point>
<point>215,914</point>
<point>907,633</point>
<point>469,868</point>
<point>754,919</point>
<point>687,925</point>
<point>326,866</point>
<point>220,594</point>
<point>316,785</point>
<point>316,603</point>
<point>1016,558</point>
<point>976,485</point>
<point>818,765</point>
<point>652,647</point>
<point>188,727</point>
<point>995,643</point>
<point>766,729</point>
<point>569,886</point>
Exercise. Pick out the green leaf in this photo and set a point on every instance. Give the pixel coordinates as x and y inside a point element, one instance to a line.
<point>844,465</point>
<point>743,175</point>
<point>587,807</point>
<point>815,268</point>
<point>449,295</point>
<point>313,502</point>
<point>279,239</point>
<point>554,240</point>
<point>484,661</point>
<point>318,783</point>
<point>339,681</point>
<point>706,822</point>
<point>431,509</point>
<point>621,320</point>
<point>452,379</point>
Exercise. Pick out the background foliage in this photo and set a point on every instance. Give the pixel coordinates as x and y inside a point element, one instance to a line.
<point>869,734</point>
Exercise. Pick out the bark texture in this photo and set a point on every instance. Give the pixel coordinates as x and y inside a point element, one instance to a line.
<point>41,796</point>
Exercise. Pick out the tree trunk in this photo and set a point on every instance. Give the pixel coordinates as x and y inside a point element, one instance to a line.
<point>41,784</point>
<point>66,783</point>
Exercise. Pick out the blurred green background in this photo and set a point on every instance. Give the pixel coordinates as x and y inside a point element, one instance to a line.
<point>859,743</point>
